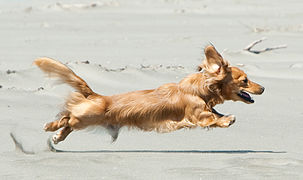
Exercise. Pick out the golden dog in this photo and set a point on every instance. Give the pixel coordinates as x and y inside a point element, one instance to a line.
<point>170,107</point>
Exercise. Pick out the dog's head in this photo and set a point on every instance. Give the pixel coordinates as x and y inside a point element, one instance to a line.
<point>233,83</point>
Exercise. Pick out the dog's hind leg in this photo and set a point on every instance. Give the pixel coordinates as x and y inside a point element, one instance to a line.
<point>55,125</point>
<point>61,135</point>
<point>69,123</point>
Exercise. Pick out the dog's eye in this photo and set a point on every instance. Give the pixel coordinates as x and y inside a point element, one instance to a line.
<point>245,80</point>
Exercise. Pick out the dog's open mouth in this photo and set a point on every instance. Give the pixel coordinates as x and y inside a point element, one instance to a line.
<point>245,96</point>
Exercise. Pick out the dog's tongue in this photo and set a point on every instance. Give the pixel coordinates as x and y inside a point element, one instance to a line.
<point>245,95</point>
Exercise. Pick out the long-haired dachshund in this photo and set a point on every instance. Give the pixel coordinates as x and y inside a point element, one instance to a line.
<point>187,104</point>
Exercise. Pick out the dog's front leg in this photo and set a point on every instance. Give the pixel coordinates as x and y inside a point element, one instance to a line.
<point>213,119</point>
<point>224,120</point>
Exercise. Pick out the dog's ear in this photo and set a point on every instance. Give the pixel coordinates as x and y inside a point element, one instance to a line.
<point>213,61</point>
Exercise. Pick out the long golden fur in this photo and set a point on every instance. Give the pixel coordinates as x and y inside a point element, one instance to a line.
<point>170,107</point>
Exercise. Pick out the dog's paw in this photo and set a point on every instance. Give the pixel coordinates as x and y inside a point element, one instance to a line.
<point>226,121</point>
<point>46,127</point>
<point>55,139</point>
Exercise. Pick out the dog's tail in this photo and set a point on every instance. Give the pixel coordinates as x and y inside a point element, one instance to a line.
<point>56,69</point>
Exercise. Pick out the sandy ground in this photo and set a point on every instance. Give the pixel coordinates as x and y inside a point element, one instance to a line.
<point>133,45</point>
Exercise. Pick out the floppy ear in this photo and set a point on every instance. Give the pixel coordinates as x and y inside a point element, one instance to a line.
<point>213,61</point>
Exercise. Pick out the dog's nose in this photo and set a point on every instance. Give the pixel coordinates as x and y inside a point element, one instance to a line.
<point>262,89</point>
<point>232,122</point>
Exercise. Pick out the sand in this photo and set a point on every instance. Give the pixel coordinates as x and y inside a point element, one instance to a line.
<point>119,46</point>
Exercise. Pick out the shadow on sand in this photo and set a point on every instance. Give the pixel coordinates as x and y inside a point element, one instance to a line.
<point>53,149</point>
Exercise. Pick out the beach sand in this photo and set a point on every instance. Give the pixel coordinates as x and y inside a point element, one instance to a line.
<point>120,46</point>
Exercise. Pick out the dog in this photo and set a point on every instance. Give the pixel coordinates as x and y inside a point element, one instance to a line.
<point>187,104</point>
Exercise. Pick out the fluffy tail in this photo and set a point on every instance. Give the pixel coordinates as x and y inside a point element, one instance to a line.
<point>56,69</point>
